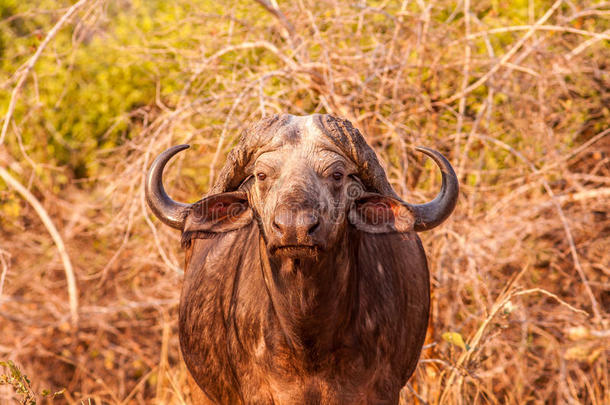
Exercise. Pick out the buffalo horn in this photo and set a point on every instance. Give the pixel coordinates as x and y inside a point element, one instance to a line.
<point>351,141</point>
<point>433,213</point>
<point>170,212</point>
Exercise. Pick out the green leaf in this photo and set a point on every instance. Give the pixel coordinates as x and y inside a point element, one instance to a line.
<point>455,339</point>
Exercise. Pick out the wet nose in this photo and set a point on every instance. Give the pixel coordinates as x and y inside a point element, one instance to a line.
<point>295,225</point>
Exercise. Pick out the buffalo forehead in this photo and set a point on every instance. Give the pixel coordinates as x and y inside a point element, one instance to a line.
<point>289,158</point>
<point>300,136</point>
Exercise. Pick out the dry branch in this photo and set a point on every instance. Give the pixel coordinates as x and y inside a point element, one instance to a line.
<point>5,264</point>
<point>277,13</point>
<point>598,317</point>
<point>24,71</point>
<point>504,58</point>
<point>61,248</point>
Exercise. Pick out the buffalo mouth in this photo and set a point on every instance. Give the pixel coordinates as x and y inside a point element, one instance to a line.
<point>296,251</point>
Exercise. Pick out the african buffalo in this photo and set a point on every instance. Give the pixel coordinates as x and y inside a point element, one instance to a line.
<point>305,281</point>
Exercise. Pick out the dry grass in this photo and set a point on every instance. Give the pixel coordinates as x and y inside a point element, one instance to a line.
<point>521,270</point>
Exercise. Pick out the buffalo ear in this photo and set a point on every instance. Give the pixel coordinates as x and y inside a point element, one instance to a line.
<point>376,213</point>
<point>219,213</point>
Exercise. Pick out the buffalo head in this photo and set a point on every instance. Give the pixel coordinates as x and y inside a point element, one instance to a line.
<point>304,180</point>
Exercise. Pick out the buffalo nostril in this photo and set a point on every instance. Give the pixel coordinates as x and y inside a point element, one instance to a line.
<point>314,226</point>
<point>276,226</point>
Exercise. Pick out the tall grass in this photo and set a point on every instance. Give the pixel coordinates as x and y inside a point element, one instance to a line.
<point>515,94</point>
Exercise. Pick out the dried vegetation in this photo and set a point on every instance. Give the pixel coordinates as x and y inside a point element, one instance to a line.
<point>516,94</point>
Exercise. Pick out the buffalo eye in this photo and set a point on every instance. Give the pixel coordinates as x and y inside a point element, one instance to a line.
<point>261,176</point>
<point>337,176</point>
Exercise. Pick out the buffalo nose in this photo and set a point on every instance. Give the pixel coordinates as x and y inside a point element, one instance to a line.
<point>295,226</point>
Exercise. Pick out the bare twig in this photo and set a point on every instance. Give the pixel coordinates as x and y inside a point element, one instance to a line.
<point>594,304</point>
<point>465,79</point>
<point>4,262</point>
<point>225,127</point>
<point>555,28</point>
<point>419,397</point>
<point>504,58</point>
<point>550,294</point>
<point>281,17</point>
<point>599,37</point>
<point>61,248</point>
<point>24,71</point>
<point>502,300</point>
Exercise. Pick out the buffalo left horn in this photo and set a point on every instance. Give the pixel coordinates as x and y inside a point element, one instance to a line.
<point>433,213</point>
<point>353,144</point>
<point>170,212</point>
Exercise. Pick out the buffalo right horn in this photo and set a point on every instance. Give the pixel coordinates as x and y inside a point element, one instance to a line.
<point>170,212</point>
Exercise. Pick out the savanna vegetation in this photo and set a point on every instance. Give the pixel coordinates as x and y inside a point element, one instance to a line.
<point>515,93</point>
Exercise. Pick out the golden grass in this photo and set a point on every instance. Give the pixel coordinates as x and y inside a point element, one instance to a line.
<point>520,271</point>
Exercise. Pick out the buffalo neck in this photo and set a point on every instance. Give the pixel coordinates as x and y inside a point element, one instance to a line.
<point>314,300</point>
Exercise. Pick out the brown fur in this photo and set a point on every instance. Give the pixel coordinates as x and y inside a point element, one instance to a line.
<point>350,336</point>
<point>305,280</point>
